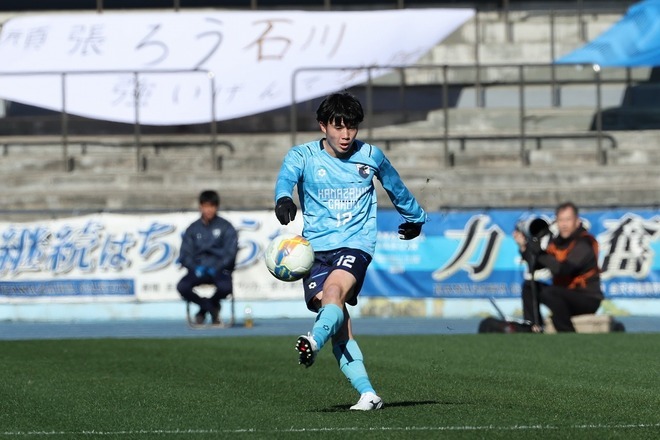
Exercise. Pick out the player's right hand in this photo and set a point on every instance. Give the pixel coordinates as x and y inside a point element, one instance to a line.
<point>285,210</point>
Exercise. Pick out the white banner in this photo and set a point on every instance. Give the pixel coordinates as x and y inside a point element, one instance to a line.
<point>248,58</point>
<point>126,257</point>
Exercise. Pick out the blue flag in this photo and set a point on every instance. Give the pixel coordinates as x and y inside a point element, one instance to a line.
<point>632,41</point>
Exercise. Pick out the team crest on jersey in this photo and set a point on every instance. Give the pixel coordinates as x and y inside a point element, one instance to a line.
<point>363,170</point>
<point>321,172</point>
<point>216,233</point>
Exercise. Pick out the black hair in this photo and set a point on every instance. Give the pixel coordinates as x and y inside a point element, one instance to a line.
<point>567,205</point>
<point>340,107</point>
<point>209,196</point>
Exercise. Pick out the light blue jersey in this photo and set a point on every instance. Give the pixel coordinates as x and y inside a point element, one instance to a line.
<point>338,196</point>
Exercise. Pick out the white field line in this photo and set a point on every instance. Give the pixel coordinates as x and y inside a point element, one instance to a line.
<point>345,429</point>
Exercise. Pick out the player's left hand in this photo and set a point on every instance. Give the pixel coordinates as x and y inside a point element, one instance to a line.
<point>409,230</point>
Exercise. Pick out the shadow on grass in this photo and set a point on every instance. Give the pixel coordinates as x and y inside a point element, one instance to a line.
<point>337,408</point>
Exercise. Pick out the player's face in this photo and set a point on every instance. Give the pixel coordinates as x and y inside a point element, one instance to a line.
<point>338,138</point>
<point>208,211</point>
<point>567,222</point>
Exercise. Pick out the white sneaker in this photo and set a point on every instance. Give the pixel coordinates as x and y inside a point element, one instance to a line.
<point>307,349</point>
<point>368,401</point>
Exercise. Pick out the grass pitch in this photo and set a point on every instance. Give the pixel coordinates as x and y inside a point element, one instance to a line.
<point>460,386</point>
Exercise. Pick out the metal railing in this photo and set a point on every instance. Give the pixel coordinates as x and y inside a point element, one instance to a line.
<point>137,95</point>
<point>594,78</point>
<point>524,152</point>
<point>447,77</point>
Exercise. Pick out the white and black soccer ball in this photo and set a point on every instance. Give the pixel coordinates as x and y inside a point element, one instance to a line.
<point>289,257</point>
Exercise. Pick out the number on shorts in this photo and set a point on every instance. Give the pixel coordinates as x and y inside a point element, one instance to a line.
<point>346,260</point>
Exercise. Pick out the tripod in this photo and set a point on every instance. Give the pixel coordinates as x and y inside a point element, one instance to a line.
<point>536,316</point>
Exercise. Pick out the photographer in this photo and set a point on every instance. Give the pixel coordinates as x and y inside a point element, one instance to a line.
<point>572,258</point>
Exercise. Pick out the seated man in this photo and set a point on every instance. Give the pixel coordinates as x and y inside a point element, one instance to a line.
<point>208,251</point>
<point>572,258</point>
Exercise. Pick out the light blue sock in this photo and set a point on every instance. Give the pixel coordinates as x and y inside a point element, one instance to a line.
<point>328,321</point>
<point>351,363</point>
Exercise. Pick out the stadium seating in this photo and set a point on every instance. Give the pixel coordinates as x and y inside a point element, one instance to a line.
<point>112,174</point>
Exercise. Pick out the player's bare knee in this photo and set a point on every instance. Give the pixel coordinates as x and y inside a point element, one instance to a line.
<point>332,294</point>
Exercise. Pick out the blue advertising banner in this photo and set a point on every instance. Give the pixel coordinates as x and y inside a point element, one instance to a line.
<point>472,254</point>
<point>460,254</point>
<point>126,258</point>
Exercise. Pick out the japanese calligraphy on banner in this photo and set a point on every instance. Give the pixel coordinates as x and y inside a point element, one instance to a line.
<point>243,61</point>
<point>473,255</point>
<point>460,254</point>
<point>126,258</point>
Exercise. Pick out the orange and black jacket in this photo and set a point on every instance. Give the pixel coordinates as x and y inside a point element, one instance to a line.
<point>573,262</point>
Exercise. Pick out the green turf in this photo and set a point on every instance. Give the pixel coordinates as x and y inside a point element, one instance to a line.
<point>458,386</point>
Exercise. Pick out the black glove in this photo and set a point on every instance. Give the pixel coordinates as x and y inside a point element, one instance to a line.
<point>285,210</point>
<point>408,231</point>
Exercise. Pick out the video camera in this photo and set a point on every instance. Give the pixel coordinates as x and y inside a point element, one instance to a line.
<point>533,228</point>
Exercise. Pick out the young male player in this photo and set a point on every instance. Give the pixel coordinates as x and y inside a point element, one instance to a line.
<point>335,183</point>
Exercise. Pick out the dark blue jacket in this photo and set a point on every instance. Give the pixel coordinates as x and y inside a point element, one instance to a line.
<point>214,245</point>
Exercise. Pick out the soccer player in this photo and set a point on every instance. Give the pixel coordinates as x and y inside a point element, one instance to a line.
<point>208,250</point>
<point>335,183</point>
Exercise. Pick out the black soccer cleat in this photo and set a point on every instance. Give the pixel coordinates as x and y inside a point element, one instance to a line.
<point>307,349</point>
